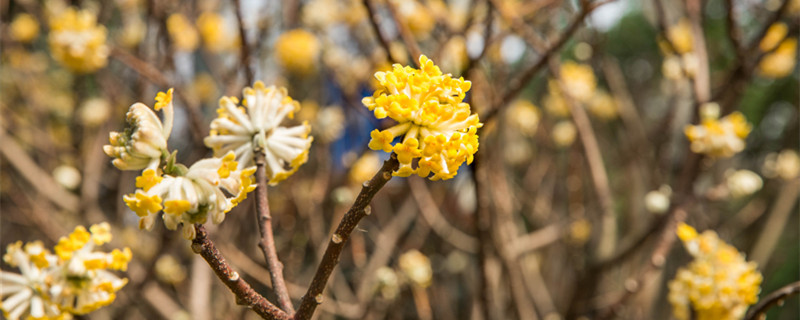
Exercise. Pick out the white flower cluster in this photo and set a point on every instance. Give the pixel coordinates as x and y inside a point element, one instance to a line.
<point>74,280</point>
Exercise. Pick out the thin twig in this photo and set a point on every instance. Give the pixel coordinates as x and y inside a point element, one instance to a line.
<point>734,33</point>
<point>358,211</point>
<point>405,34</point>
<point>267,241</point>
<point>245,48</point>
<point>245,295</point>
<point>776,297</point>
<point>439,224</point>
<point>373,21</point>
<point>702,80</point>
<point>597,170</point>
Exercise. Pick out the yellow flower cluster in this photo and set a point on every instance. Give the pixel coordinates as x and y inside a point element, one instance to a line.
<point>216,34</point>
<point>297,51</point>
<point>715,137</point>
<point>24,28</point>
<point>183,34</point>
<point>681,61</point>
<point>781,61</point>
<point>74,280</point>
<point>77,41</point>
<point>718,284</point>
<point>580,84</point>
<point>440,133</point>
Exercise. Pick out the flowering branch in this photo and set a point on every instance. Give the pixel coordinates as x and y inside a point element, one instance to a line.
<point>776,297</point>
<point>245,295</point>
<point>358,211</point>
<point>267,242</point>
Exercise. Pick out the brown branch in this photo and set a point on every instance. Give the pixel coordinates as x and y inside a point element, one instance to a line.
<point>734,33</point>
<point>154,75</point>
<point>597,169</point>
<point>440,225</point>
<point>313,296</point>
<point>245,295</point>
<point>373,21</point>
<point>484,234</point>
<point>776,297</point>
<point>702,81</point>
<point>245,48</point>
<point>141,67</point>
<point>267,241</point>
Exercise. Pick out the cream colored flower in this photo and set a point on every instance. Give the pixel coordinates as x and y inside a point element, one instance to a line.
<point>579,81</point>
<point>743,183</point>
<point>417,268</point>
<point>603,105</point>
<point>564,133</point>
<point>257,127</point>
<point>83,282</point>
<point>658,201</point>
<point>784,165</point>
<point>25,295</point>
<point>144,143</point>
<point>524,117</point>
<point>75,280</point>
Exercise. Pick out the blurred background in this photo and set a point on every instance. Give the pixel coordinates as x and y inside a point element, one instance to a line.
<point>583,159</point>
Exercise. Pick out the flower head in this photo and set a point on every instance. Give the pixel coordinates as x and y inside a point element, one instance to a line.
<point>715,137</point>
<point>297,51</point>
<point>785,165</point>
<point>256,127</point>
<point>25,294</point>
<point>440,133</point>
<point>417,268</point>
<point>215,33</point>
<point>24,28</point>
<point>77,41</point>
<point>210,187</point>
<point>681,36</point>
<point>524,117</point>
<point>781,62</point>
<point>717,284</point>
<point>74,280</point>
<point>742,183</point>
<point>83,282</point>
<point>579,80</point>
<point>182,32</point>
<point>144,142</point>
